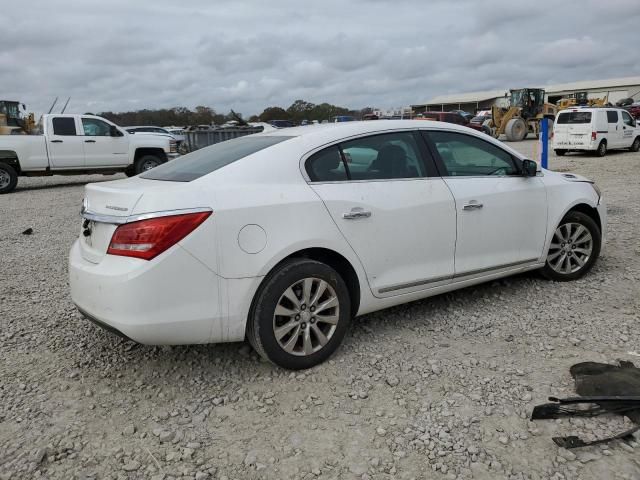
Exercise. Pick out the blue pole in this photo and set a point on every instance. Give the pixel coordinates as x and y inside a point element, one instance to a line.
<point>544,136</point>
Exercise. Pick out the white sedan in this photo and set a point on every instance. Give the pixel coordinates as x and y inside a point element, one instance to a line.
<point>282,237</point>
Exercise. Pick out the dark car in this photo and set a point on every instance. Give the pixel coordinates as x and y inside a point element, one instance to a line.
<point>634,110</point>
<point>449,117</point>
<point>281,123</point>
<point>477,123</point>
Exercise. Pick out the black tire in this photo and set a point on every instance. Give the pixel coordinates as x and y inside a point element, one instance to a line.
<point>261,324</point>
<point>596,242</point>
<point>635,146</point>
<point>130,171</point>
<point>144,163</point>
<point>560,152</point>
<point>8,178</point>
<point>602,149</point>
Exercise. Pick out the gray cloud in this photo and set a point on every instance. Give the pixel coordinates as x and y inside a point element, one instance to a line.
<point>122,55</point>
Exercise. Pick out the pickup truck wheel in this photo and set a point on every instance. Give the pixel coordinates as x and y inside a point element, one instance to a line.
<point>635,146</point>
<point>147,162</point>
<point>8,178</point>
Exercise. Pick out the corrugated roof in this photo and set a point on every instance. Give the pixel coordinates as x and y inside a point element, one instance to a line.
<point>465,97</point>
<point>471,97</point>
<point>591,84</point>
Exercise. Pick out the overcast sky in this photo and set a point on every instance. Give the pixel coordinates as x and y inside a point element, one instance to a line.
<point>123,55</point>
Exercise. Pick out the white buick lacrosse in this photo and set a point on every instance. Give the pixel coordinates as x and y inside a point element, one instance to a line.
<point>283,237</point>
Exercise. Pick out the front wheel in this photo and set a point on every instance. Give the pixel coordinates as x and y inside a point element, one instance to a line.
<point>300,314</point>
<point>560,152</point>
<point>8,178</point>
<point>574,248</point>
<point>635,146</point>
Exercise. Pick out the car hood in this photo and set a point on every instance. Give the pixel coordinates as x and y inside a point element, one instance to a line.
<point>569,177</point>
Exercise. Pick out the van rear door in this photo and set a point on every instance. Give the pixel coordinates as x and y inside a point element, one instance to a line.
<point>573,130</point>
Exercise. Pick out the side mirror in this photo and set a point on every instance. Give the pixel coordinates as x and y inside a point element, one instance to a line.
<point>529,168</point>
<point>114,132</point>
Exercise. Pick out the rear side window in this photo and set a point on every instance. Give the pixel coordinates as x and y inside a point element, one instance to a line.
<point>574,117</point>
<point>209,159</point>
<point>326,166</point>
<point>612,116</point>
<point>64,126</point>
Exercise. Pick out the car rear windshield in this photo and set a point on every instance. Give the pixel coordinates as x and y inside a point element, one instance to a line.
<point>574,117</point>
<point>208,159</point>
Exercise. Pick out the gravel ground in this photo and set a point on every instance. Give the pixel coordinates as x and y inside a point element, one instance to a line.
<point>440,388</point>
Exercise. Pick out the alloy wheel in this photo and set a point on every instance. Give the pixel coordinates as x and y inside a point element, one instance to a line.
<point>5,179</point>
<point>148,165</point>
<point>306,316</point>
<point>571,248</point>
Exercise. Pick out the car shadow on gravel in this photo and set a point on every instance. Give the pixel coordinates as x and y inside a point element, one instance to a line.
<point>55,186</point>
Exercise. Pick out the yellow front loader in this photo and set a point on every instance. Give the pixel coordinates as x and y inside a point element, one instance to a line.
<point>526,109</point>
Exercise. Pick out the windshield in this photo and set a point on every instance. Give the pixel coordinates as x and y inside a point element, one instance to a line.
<point>206,160</point>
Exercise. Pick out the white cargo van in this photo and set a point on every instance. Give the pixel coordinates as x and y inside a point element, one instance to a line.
<point>595,129</point>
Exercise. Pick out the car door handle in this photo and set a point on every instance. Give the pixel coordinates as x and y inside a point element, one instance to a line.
<point>356,213</point>
<point>89,141</point>
<point>56,141</point>
<point>472,206</point>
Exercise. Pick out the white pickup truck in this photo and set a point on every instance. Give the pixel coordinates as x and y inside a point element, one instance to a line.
<point>77,145</point>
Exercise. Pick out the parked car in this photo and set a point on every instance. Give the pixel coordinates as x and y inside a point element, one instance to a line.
<point>468,116</point>
<point>596,130</point>
<point>275,238</point>
<point>449,117</point>
<point>478,123</point>
<point>634,110</point>
<point>78,145</point>
<point>281,123</point>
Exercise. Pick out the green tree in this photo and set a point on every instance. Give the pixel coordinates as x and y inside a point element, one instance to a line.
<point>274,113</point>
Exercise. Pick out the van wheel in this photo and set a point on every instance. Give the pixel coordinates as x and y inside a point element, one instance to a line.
<point>635,146</point>
<point>560,152</point>
<point>602,149</point>
<point>300,314</point>
<point>8,178</point>
<point>147,162</point>
<point>575,247</point>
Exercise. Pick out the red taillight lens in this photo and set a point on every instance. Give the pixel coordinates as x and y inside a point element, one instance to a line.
<point>147,239</point>
<point>594,135</point>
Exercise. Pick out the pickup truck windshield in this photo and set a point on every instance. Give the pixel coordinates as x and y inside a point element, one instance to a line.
<point>206,160</point>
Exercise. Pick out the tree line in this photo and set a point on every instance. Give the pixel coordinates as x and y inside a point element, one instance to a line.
<point>181,116</point>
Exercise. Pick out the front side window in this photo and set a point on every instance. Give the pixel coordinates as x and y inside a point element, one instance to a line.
<point>612,116</point>
<point>206,160</point>
<point>466,155</point>
<point>96,128</point>
<point>64,126</point>
<point>626,118</point>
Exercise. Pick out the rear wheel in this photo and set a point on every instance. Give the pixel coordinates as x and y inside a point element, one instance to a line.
<point>602,149</point>
<point>8,178</point>
<point>300,314</point>
<point>560,152</point>
<point>574,248</point>
<point>635,146</point>
<point>147,162</point>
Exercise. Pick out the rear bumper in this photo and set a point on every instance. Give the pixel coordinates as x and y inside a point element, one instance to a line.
<point>173,299</point>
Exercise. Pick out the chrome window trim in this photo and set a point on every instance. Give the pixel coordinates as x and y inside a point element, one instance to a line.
<point>118,220</point>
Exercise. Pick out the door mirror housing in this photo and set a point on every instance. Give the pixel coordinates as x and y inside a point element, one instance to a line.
<point>529,168</point>
<point>114,132</point>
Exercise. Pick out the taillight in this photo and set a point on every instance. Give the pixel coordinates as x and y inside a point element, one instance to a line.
<point>147,239</point>
<point>594,135</point>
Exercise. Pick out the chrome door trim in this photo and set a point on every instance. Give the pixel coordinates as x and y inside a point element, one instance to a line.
<point>458,276</point>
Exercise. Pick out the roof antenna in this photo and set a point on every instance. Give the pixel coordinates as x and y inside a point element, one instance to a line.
<point>65,105</point>
<point>53,105</point>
